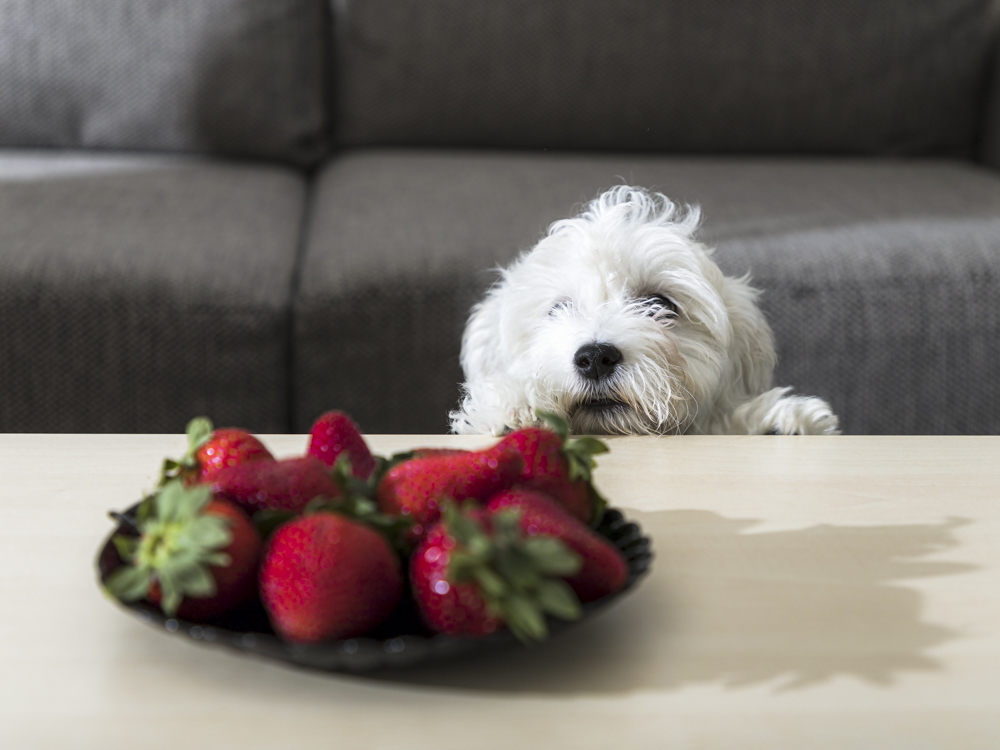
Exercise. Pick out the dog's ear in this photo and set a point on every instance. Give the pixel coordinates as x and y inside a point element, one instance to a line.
<point>752,354</point>
<point>493,402</point>
<point>480,350</point>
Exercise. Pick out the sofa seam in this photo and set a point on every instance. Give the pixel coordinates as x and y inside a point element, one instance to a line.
<point>310,179</point>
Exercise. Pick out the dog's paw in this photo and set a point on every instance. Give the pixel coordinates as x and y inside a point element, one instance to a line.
<point>486,410</point>
<point>776,413</point>
<point>514,419</point>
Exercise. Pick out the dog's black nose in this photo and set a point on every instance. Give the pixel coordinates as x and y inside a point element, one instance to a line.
<point>596,361</point>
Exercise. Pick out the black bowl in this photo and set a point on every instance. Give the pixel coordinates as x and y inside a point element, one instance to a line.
<point>401,640</point>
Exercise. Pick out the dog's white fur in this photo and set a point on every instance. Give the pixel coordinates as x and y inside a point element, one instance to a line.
<point>704,367</point>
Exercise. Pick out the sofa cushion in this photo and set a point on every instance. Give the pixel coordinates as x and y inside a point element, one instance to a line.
<point>136,293</point>
<point>880,277</point>
<point>989,151</point>
<point>233,77</point>
<point>855,76</point>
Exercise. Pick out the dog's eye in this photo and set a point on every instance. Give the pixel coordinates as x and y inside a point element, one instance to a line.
<point>558,307</point>
<point>658,306</point>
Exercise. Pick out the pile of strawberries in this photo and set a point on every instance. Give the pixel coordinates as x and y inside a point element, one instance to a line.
<point>333,541</point>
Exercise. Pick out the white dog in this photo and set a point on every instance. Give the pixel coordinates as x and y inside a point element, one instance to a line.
<point>621,322</point>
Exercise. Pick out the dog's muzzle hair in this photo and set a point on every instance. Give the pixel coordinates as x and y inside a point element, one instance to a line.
<point>616,396</point>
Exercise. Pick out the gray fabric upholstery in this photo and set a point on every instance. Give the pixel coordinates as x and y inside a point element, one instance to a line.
<point>880,276</point>
<point>136,293</point>
<point>235,77</point>
<point>989,152</point>
<point>854,76</point>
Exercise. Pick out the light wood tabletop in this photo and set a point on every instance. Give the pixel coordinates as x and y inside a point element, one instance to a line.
<point>806,592</point>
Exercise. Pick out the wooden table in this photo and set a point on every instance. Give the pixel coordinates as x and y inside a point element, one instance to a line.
<point>806,593</point>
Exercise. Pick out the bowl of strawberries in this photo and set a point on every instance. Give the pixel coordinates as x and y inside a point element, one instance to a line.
<point>343,560</point>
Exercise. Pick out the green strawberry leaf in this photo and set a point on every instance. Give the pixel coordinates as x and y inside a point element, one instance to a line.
<point>580,452</point>
<point>382,466</point>
<point>460,566</point>
<point>343,476</point>
<point>492,585</point>
<point>128,584</point>
<point>168,502</point>
<point>598,506</point>
<point>480,548</point>
<point>518,576</point>
<point>558,599</point>
<point>145,510</point>
<point>177,503</point>
<point>552,556</point>
<point>554,422</point>
<point>208,531</point>
<point>524,619</point>
<point>178,543</point>
<point>195,581</point>
<point>464,528</point>
<point>589,445</point>
<point>190,503</point>
<point>126,546</point>
<point>173,560</point>
<point>506,527</point>
<point>218,559</point>
<point>199,432</point>
<point>516,567</point>
<point>184,579</point>
<point>168,471</point>
<point>172,596</point>
<point>397,458</point>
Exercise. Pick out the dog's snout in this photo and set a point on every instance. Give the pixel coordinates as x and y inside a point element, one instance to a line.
<point>596,361</point>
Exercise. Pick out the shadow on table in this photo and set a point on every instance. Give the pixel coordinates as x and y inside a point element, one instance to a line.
<point>724,606</point>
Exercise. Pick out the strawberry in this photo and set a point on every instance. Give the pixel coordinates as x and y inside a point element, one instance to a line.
<point>559,467</point>
<point>472,575</point>
<point>416,488</point>
<point>276,485</point>
<point>437,452</point>
<point>228,447</point>
<point>210,451</point>
<point>604,569</point>
<point>326,576</point>
<point>195,556</point>
<point>334,435</point>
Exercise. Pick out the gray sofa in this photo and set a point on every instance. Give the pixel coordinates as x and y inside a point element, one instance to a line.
<point>263,209</point>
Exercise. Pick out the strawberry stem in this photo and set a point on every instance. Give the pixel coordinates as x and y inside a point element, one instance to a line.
<point>199,431</point>
<point>518,576</point>
<point>177,544</point>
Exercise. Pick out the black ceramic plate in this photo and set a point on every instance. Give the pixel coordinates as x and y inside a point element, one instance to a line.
<point>400,641</point>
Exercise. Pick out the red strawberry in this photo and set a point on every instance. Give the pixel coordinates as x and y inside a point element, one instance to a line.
<point>472,575</point>
<point>559,467</point>
<point>456,608</point>
<point>604,569</point>
<point>196,556</point>
<point>416,488</point>
<point>210,451</point>
<point>276,485</point>
<point>229,447</point>
<point>326,576</point>
<point>334,434</point>
<point>438,452</point>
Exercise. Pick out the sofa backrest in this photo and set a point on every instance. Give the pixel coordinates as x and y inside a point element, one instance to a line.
<point>834,76</point>
<point>242,78</point>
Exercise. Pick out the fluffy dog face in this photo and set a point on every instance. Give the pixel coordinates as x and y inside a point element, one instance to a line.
<point>619,321</point>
